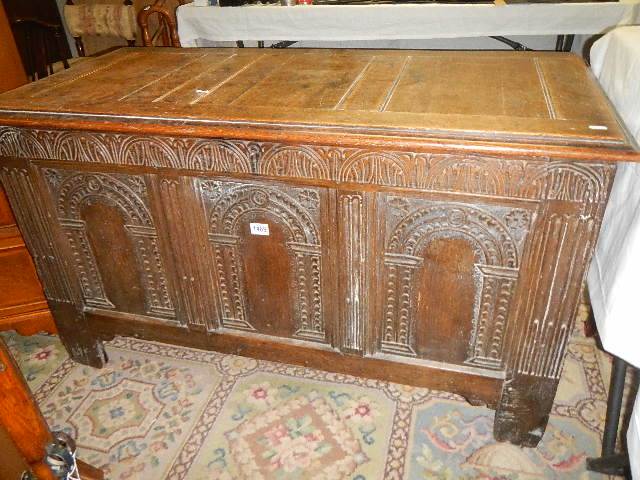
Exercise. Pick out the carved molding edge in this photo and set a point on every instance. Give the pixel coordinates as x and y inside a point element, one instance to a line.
<point>488,176</point>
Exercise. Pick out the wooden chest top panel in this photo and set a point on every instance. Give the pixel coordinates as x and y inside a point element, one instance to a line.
<point>501,96</point>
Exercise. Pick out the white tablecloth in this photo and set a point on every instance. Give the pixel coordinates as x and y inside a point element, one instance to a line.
<point>393,22</point>
<point>614,276</point>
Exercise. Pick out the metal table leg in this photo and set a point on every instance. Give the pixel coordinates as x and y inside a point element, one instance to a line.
<point>559,43</point>
<point>564,43</point>
<point>568,43</point>
<point>611,463</point>
<point>512,43</point>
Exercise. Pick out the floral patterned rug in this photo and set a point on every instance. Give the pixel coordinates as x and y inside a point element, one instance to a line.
<point>164,412</point>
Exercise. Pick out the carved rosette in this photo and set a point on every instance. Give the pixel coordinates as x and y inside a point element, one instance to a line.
<point>296,210</point>
<point>71,190</point>
<point>496,235</point>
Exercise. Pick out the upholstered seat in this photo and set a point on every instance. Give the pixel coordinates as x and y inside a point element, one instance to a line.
<point>116,20</point>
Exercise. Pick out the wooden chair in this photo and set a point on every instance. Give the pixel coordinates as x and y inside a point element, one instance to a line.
<point>40,52</point>
<point>107,19</point>
<point>23,306</point>
<point>167,31</point>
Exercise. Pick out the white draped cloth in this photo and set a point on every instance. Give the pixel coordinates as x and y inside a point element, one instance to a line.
<point>614,276</point>
<point>199,26</point>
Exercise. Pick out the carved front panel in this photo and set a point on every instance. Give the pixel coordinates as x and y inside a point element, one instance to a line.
<point>112,237</point>
<point>269,281</point>
<point>449,272</point>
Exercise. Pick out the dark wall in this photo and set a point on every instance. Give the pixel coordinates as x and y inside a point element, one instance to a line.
<point>36,46</point>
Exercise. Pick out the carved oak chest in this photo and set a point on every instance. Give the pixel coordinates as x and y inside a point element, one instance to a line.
<point>419,217</point>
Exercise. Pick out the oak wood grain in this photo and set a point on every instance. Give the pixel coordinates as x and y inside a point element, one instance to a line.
<point>431,214</point>
<point>534,96</point>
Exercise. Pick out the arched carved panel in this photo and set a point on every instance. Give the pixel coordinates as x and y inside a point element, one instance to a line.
<point>10,142</point>
<point>71,192</point>
<point>496,237</point>
<point>82,145</point>
<point>218,156</point>
<point>294,211</point>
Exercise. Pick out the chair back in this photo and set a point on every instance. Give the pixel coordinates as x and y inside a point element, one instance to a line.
<point>167,32</point>
<point>111,19</point>
<point>40,52</point>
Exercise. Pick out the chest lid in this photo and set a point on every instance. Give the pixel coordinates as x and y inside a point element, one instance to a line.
<point>526,97</point>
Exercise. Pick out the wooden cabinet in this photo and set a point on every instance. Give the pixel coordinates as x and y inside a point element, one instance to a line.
<point>339,226</point>
<point>23,306</point>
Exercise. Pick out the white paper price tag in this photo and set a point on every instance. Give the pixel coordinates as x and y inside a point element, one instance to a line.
<point>259,228</point>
